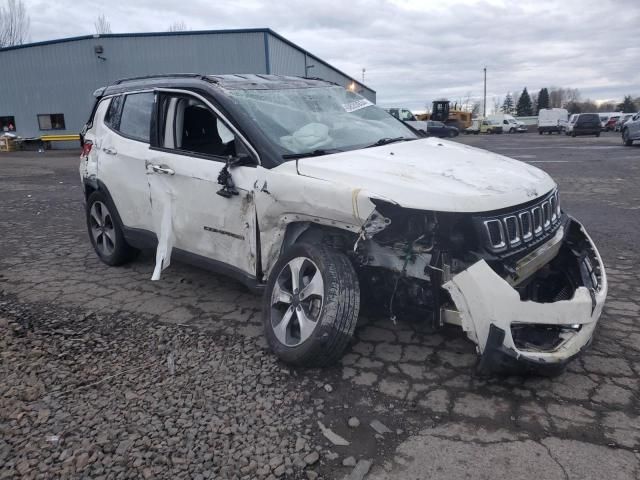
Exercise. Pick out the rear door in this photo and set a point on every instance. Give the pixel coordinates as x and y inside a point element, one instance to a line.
<point>122,147</point>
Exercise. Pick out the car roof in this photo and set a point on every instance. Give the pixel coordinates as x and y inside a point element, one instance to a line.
<point>229,82</point>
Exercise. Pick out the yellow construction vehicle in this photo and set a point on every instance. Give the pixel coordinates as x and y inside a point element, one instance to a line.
<point>441,111</point>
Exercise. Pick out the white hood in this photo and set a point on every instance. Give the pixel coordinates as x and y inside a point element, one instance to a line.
<point>433,174</point>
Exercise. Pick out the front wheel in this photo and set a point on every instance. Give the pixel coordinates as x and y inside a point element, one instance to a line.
<point>626,141</point>
<point>598,134</point>
<point>311,305</point>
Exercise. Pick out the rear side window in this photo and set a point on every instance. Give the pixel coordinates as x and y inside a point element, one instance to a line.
<point>135,119</point>
<point>112,118</point>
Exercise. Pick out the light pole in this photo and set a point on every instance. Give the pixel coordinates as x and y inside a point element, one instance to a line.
<point>484,102</point>
<point>363,70</point>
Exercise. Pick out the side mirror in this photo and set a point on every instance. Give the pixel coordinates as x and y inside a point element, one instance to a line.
<point>239,160</point>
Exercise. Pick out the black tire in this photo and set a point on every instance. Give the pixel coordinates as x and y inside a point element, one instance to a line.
<point>338,315</point>
<point>512,130</point>
<point>540,132</point>
<point>598,134</point>
<point>573,134</point>
<point>626,141</point>
<point>121,252</point>
<point>451,134</point>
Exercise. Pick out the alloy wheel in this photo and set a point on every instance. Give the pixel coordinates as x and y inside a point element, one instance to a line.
<point>297,301</point>
<point>102,228</point>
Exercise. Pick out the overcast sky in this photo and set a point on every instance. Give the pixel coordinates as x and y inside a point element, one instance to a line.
<point>414,51</point>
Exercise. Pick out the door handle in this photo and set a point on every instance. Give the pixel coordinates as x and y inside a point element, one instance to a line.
<point>110,151</point>
<point>161,169</point>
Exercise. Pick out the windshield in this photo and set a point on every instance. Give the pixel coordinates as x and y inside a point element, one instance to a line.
<point>300,120</point>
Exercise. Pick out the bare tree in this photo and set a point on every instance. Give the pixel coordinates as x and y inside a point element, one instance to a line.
<point>14,24</point>
<point>178,26</point>
<point>102,25</point>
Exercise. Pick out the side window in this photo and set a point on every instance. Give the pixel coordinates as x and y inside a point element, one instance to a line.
<point>135,119</point>
<point>190,126</point>
<point>7,124</point>
<point>112,117</point>
<point>505,122</point>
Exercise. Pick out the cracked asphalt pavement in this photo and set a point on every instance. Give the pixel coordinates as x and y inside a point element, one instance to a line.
<point>106,374</point>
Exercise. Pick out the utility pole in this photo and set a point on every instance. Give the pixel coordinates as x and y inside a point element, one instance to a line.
<point>363,70</point>
<point>484,102</point>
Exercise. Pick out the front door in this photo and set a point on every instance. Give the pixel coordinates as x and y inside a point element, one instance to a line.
<point>191,210</point>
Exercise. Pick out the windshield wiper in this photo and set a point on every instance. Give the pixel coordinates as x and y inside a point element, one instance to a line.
<point>386,140</point>
<point>315,153</point>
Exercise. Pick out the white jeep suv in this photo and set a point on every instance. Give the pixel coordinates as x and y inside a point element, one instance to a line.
<point>314,195</point>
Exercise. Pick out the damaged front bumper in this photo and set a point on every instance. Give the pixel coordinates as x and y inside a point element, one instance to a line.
<point>528,334</point>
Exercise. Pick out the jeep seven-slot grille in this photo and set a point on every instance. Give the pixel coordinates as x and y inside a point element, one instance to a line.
<point>522,226</point>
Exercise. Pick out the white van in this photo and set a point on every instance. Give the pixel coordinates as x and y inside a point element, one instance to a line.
<point>508,122</point>
<point>552,120</point>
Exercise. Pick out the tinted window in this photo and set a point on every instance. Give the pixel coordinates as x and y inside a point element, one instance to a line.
<point>7,124</point>
<point>588,119</point>
<point>112,118</point>
<point>51,121</point>
<point>135,119</point>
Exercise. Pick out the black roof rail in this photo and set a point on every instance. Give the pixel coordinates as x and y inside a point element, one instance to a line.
<point>161,75</point>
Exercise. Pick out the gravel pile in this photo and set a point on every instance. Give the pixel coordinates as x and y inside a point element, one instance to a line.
<point>109,396</point>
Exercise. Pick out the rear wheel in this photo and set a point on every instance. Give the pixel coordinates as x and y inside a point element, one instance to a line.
<point>626,141</point>
<point>598,134</point>
<point>573,134</point>
<point>105,231</point>
<point>311,305</point>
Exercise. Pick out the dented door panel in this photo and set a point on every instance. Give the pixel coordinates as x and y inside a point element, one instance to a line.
<point>284,197</point>
<point>191,216</point>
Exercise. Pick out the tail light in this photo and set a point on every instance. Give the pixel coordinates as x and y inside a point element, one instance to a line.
<point>86,149</point>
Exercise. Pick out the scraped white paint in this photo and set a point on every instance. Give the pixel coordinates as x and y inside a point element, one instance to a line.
<point>433,174</point>
<point>162,196</point>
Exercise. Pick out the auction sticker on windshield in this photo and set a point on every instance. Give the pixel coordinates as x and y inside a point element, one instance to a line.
<point>356,105</point>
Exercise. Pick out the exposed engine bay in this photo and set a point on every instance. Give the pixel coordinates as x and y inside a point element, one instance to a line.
<point>421,264</point>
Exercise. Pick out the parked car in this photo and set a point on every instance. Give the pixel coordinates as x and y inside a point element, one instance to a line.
<point>611,123</point>
<point>439,129</point>
<point>311,194</point>
<point>631,130</point>
<point>521,127</point>
<point>474,128</point>
<point>571,123</point>
<point>491,126</point>
<point>508,122</point>
<point>621,121</point>
<point>409,118</point>
<point>552,120</point>
<point>586,124</point>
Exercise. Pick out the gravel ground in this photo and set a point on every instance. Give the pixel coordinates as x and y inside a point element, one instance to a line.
<point>108,397</point>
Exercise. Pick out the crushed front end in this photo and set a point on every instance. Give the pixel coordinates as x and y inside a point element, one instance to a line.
<point>526,284</point>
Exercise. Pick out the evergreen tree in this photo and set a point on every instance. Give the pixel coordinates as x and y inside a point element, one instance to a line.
<point>524,107</point>
<point>627,105</point>
<point>543,99</point>
<point>508,104</point>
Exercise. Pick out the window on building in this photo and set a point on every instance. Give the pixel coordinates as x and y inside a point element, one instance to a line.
<point>7,124</point>
<point>135,119</point>
<point>51,121</point>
